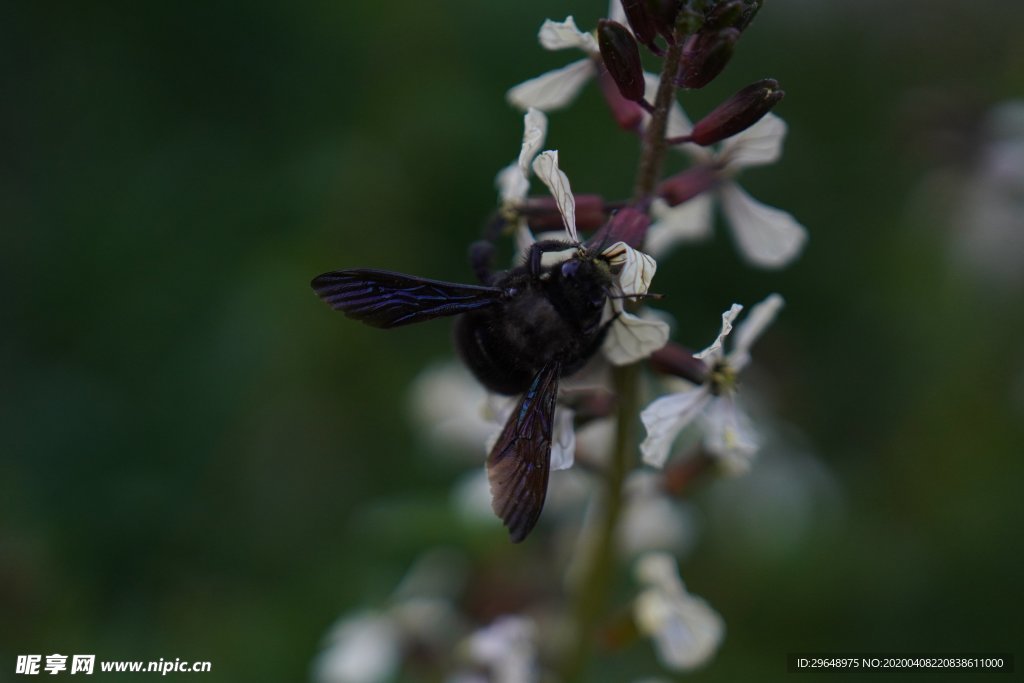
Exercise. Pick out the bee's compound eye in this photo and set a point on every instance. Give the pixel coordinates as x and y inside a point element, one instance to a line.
<point>570,268</point>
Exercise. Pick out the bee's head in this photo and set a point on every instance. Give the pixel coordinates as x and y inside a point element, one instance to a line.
<point>583,281</point>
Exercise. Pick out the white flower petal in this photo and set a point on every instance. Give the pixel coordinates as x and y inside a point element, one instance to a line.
<point>560,35</point>
<point>766,236</point>
<point>507,649</point>
<point>631,338</point>
<point>471,498</point>
<point>563,439</point>
<point>665,417</point>
<point>554,89</point>
<point>535,129</point>
<point>651,521</point>
<point>756,146</point>
<point>686,632</point>
<point>658,570</point>
<point>524,240</point>
<point>753,325</point>
<point>637,268</point>
<point>687,222</point>
<point>616,13</point>
<point>445,401</point>
<point>546,168</point>
<point>685,629</point>
<point>716,346</point>
<point>362,648</point>
<point>497,409</point>
<point>729,434</point>
<point>512,185</point>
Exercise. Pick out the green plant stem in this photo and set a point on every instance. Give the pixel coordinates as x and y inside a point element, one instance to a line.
<point>655,144</point>
<point>591,595</point>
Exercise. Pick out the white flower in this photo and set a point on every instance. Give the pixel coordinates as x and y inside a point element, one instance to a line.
<point>766,236</point>
<point>361,648</point>
<point>727,430</point>
<point>506,649</point>
<point>989,211</point>
<point>556,89</point>
<point>685,629</point>
<point>651,520</point>
<point>451,408</point>
<point>368,646</point>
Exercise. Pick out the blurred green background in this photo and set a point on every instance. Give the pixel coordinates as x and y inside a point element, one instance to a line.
<point>194,451</point>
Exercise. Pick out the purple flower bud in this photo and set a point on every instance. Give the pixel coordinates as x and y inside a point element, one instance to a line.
<point>621,57</point>
<point>673,359</point>
<point>628,225</point>
<point>684,186</point>
<point>663,13</point>
<point>688,21</point>
<point>641,21</point>
<point>705,55</point>
<point>726,15</point>
<point>543,215</point>
<point>708,50</point>
<point>738,113</point>
<point>627,114</point>
<point>747,16</point>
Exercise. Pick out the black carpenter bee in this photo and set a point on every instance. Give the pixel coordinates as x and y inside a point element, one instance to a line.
<point>518,333</point>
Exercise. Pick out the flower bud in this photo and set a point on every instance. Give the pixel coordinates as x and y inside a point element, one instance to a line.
<point>705,54</point>
<point>628,115</point>
<point>543,215</point>
<point>641,21</point>
<point>726,15</point>
<point>686,185</point>
<point>621,57</point>
<point>738,113</point>
<point>628,225</point>
<point>663,13</point>
<point>674,359</point>
<point>747,16</point>
<point>688,21</point>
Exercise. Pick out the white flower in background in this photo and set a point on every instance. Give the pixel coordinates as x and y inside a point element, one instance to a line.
<point>789,499</point>
<point>685,629</point>
<point>556,89</point>
<point>369,646</point>
<point>652,520</point>
<point>361,648</point>
<point>766,236</point>
<point>728,433</point>
<point>505,649</point>
<point>452,409</point>
<point>989,216</point>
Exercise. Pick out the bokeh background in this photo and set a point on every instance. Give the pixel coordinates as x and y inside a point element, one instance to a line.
<point>199,460</point>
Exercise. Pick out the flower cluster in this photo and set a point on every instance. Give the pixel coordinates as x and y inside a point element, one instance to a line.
<point>574,316</point>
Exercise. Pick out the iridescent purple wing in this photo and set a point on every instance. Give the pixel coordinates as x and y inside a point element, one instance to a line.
<point>384,299</point>
<point>519,462</point>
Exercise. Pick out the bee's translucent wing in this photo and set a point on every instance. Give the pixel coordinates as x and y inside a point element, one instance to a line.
<point>385,299</point>
<point>520,460</point>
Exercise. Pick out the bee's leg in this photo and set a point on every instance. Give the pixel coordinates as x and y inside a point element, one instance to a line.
<point>481,252</point>
<point>481,260</point>
<point>538,249</point>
